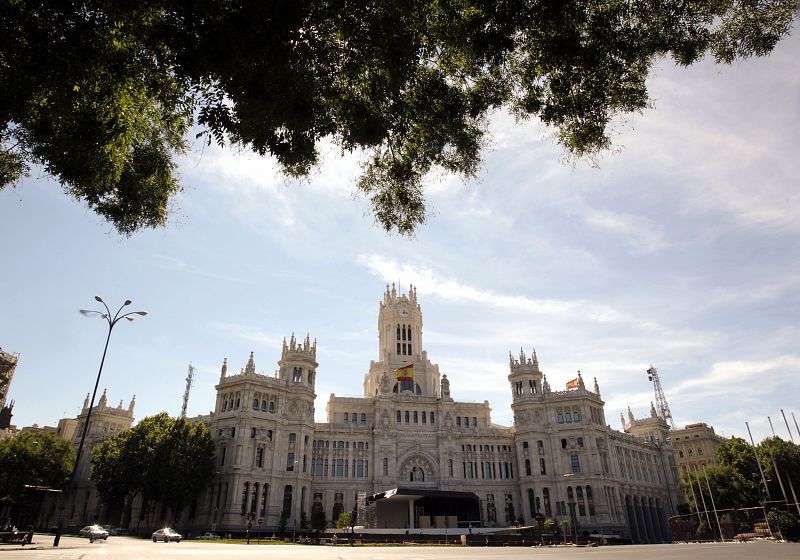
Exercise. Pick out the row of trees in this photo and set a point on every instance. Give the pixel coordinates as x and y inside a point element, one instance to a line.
<point>736,482</point>
<point>101,94</point>
<point>166,461</point>
<point>31,461</point>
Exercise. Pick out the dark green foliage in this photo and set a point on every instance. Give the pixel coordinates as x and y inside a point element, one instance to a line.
<point>318,519</point>
<point>786,523</point>
<point>282,522</point>
<point>166,460</point>
<point>101,93</point>
<point>736,482</point>
<point>34,459</point>
<point>704,532</point>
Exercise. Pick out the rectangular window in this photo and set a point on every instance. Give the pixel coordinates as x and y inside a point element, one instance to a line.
<point>346,418</point>
<point>474,422</point>
<point>292,437</point>
<point>424,417</point>
<point>398,418</point>
<point>560,418</point>
<point>432,422</point>
<point>466,421</point>
<point>407,417</point>
<point>528,467</point>
<point>290,462</point>
<point>568,418</point>
<point>542,467</point>
<point>385,466</point>
<point>259,457</point>
<point>575,461</point>
<point>416,417</point>
<point>458,421</point>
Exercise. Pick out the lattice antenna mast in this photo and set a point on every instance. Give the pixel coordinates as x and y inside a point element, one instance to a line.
<point>661,401</point>
<point>189,379</point>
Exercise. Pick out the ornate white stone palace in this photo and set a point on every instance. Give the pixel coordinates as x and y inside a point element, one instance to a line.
<point>559,460</point>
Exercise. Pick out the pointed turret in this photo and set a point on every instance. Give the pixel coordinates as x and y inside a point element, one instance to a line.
<point>596,387</point>
<point>224,371</point>
<point>250,369</point>
<point>581,384</point>
<point>545,385</point>
<point>103,400</point>
<point>86,402</point>
<point>631,419</point>
<point>133,404</point>
<point>653,412</point>
<point>622,420</point>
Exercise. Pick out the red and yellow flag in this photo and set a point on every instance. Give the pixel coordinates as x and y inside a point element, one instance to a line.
<point>572,384</point>
<point>405,373</point>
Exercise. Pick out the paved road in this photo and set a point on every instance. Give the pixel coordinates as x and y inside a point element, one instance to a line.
<point>129,548</point>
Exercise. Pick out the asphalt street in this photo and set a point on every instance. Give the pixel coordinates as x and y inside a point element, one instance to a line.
<point>129,548</point>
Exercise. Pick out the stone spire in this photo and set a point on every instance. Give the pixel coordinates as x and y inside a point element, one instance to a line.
<point>86,402</point>
<point>545,384</point>
<point>103,400</point>
<point>653,412</point>
<point>251,365</point>
<point>535,359</point>
<point>622,420</point>
<point>630,416</point>
<point>224,370</point>
<point>133,404</point>
<point>581,384</point>
<point>596,387</point>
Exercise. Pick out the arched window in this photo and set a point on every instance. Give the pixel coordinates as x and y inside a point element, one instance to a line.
<point>581,506</point>
<point>531,502</point>
<point>580,442</point>
<point>264,497</point>
<point>385,466</point>
<point>548,510</point>
<point>263,405</point>
<point>398,332</point>
<point>450,467</point>
<point>575,462</point>
<point>363,418</point>
<point>287,499</point>
<point>398,418</point>
<point>590,500</point>
<point>570,494</point>
<point>255,404</point>
<point>245,493</point>
<point>254,502</point>
<point>346,418</point>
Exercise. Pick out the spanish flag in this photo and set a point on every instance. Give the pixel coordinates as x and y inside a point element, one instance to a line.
<point>572,384</point>
<point>405,373</point>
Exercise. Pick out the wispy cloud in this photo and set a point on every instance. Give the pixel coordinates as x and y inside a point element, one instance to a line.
<point>643,236</point>
<point>428,282</point>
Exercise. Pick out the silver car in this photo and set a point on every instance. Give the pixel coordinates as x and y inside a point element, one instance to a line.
<point>166,534</point>
<point>94,532</point>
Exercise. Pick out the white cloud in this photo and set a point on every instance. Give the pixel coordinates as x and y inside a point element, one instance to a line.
<point>643,236</point>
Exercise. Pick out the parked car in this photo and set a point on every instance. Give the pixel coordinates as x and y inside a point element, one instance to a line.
<point>94,532</point>
<point>208,537</point>
<point>166,534</point>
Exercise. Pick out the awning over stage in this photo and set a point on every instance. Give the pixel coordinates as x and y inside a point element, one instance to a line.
<point>424,508</point>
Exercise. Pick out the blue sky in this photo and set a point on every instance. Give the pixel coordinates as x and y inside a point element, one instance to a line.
<point>680,248</point>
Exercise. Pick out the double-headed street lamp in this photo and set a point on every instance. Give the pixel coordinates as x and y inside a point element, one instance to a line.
<point>112,321</point>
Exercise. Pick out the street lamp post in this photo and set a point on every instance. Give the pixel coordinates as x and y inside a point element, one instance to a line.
<point>112,321</point>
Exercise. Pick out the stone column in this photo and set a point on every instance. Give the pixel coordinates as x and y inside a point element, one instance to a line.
<point>637,507</point>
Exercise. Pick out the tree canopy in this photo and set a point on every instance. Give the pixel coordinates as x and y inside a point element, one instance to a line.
<point>164,459</point>
<point>102,93</point>
<point>34,459</point>
<point>736,482</point>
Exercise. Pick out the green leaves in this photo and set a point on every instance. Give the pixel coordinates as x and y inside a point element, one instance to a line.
<point>165,459</point>
<point>35,459</point>
<point>102,93</point>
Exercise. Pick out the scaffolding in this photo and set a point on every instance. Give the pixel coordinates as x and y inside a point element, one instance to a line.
<point>661,400</point>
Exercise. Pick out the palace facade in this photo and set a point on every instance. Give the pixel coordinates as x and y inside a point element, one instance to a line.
<point>408,455</point>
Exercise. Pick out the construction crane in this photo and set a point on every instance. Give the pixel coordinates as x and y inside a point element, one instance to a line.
<point>661,401</point>
<point>189,379</point>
